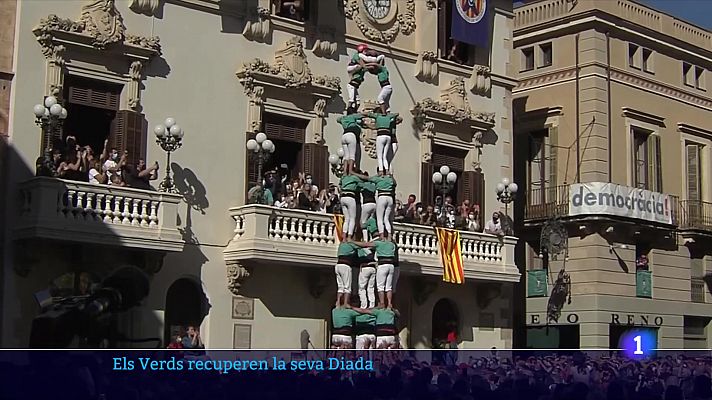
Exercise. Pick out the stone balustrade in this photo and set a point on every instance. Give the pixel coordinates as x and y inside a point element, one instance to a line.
<point>268,234</point>
<point>100,214</point>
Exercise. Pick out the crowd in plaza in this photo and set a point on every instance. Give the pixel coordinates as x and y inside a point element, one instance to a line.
<point>396,375</point>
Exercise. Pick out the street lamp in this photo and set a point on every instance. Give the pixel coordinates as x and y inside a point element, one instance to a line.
<point>169,136</point>
<point>444,180</point>
<point>337,163</point>
<point>50,116</point>
<point>506,192</point>
<point>262,148</point>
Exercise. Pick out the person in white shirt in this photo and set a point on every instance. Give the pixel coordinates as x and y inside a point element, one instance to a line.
<point>96,175</point>
<point>473,225</point>
<point>494,226</point>
<point>111,165</point>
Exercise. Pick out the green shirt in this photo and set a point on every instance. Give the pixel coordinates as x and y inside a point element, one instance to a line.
<point>363,254</point>
<point>347,249</point>
<point>366,319</point>
<point>367,186</point>
<point>351,122</point>
<point>349,183</point>
<point>385,248</point>
<point>384,316</point>
<point>387,121</point>
<point>372,226</point>
<point>384,183</point>
<point>342,317</point>
<point>360,74</point>
<point>382,74</point>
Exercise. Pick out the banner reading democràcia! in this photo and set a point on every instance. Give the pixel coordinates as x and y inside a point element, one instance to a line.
<point>604,198</point>
<point>470,22</point>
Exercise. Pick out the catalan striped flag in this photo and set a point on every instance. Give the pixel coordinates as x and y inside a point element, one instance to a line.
<point>339,227</point>
<point>450,255</point>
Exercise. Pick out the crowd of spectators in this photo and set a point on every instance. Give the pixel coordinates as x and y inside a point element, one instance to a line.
<point>75,162</point>
<point>187,338</point>
<point>397,375</point>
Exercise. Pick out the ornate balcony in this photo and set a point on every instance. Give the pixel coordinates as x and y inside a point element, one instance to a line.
<point>63,210</point>
<point>695,220</point>
<point>274,235</point>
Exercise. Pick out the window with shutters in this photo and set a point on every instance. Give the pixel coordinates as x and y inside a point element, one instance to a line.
<point>455,160</point>
<point>92,111</point>
<point>541,168</point>
<point>647,168</point>
<point>448,48</point>
<point>694,171</point>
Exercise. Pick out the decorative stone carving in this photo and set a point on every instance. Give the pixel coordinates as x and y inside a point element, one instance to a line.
<point>453,105</point>
<point>431,4</point>
<point>368,132</point>
<point>258,25</point>
<point>404,22</point>
<point>325,44</point>
<point>134,85</point>
<point>426,67</point>
<point>147,7</point>
<point>317,123</point>
<point>480,82</point>
<point>256,95</point>
<point>236,276</point>
<point>103,22</point>
<point>152,43</point>
<point>426,140</point>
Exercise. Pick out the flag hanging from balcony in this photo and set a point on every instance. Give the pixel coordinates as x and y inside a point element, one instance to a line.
<point>470,22</point>
<point>339,227</point>
<point>450,255</point>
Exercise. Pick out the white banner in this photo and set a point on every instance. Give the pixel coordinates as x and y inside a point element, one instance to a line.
<point>603,198</point>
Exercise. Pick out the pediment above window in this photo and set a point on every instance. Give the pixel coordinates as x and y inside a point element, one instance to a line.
<point>452,108</point>
<point>289,70</point>
<point>101,27</point>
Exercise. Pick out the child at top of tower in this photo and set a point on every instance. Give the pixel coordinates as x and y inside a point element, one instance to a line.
<point>357,72</point>
<point>379,69</point>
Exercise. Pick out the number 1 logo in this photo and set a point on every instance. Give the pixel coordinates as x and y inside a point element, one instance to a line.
<point>638,345</point>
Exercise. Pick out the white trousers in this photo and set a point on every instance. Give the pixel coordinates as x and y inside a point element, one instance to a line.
<point>368,210</point>
<point>367,341</point>
<point>349,142</point>
<point>348,207</point>
<point>354,97</point>
<point>343,278</point>
<point>384,97</point>
<point>383,147</point>
<point>341,341</point>
<point>367,287</point>
<point>384,210</point>
<point>386,342</point>
<point>386,278</point>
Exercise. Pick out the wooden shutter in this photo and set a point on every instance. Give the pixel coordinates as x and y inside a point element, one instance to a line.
<point>315,162</point>
<point>443,32</point>
<point>128,132</point>
<point>251,161</point>
<point>94,97</point>
<point>693,172</point>
<point>284,128</point>
<point>426,184</point>
<point>552,150</point>
<point>655,173</point>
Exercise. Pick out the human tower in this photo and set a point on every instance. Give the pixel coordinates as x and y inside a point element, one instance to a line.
<point>367,203</point>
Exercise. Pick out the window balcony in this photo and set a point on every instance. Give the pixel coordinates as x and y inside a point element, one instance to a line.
<point>57,209</point>
<point>696,216</point>
<point>273,235</point>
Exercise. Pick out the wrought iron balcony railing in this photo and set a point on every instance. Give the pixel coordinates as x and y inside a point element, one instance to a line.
<point>695,215</point>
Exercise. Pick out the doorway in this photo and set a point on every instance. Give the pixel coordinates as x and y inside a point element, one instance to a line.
<point>186,305</point>
<point>446,324</point>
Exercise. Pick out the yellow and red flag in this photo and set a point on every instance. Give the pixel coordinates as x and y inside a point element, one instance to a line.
<point>339,227</point>
<point>450,255</point>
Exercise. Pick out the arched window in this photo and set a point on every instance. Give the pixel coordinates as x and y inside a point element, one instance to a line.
<point>446,324</point>
<point>186,305</point>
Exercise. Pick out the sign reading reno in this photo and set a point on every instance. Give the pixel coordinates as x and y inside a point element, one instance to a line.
<point>603,198</point>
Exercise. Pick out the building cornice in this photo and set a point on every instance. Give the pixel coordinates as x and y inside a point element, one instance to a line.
<point>694,130</point>
<point>576,22</point>
<point>617,75</point>
<point>643,116</point>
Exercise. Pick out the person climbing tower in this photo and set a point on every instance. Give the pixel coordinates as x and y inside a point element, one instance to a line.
<point>351,122</point>
<point>357,73</point>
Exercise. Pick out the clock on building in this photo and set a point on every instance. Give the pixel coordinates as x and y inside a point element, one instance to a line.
<point>377,9</point>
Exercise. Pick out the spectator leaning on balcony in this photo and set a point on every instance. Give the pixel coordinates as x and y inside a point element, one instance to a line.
<point>96,174</point>
<point>368,201</point>
<point>46,165</point>
<point>111,165</point>
<point>473,219</point>
<point>494,226</point>
<point>139,176</point>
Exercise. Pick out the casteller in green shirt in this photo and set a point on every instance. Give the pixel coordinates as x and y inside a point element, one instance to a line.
<point>384,316</point>
<point>347,249</point>
<point>359,75</point>
<point>384,248</point>
<point>351,123</point>
<point>383,75</point>
<point>372,226</point>
<point>349,183</point>
<point>384,121</point>
<point>366,319</point>
<point>384,183</point>
<point>343,317</point>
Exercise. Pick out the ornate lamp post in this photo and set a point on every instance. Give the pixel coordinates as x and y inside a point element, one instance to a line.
<point>50,116</point>
<point>506,193</point>
<point>444,180</point>
<point>337,163</point>
<point>169,136</point>
<point>262,148</point>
